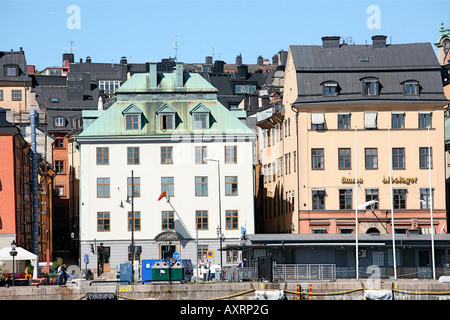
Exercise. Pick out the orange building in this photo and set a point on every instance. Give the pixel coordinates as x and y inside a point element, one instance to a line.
<point>13,194</point>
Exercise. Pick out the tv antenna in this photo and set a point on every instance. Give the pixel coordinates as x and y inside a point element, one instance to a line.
<point>71,46</point>
<point>176,48</point>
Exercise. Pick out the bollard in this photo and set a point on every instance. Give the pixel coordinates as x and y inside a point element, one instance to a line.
<point>310,292</point>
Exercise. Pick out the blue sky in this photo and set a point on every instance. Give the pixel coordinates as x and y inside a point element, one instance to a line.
<point>146,30</point>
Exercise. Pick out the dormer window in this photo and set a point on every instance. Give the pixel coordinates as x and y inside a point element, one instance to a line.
<point>200,117</point>
<point>330,89</point>
<point>133,116</point>
<point>166,114</point>
<point>370,87</point>
<point>11,71</point>
<point>411,88</point>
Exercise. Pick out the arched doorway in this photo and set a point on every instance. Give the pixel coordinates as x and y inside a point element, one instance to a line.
<point>167,243</point>
<point>373,231</point>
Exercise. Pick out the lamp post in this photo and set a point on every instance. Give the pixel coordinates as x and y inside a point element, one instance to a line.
<point>220,213</point>
<point>132,223</point>
<point>13,253</point>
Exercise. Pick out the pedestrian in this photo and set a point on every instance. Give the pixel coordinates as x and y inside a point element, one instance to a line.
<point>208,271</point>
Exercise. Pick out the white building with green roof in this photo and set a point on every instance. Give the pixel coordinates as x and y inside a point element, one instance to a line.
<point>169,132</point>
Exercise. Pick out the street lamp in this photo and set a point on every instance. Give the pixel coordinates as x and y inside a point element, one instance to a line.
<point>220,213</point>
<point>13,253</point>
<point>132,223</point>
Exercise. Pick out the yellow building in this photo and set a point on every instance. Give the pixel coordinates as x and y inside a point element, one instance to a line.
<point>359,111</point>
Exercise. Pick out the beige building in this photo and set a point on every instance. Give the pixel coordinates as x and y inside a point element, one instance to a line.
<point>358,111</point>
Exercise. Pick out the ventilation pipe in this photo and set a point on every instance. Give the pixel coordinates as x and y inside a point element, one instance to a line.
<point>34,180</point>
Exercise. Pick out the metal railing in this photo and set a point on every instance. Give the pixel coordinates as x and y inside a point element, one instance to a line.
<point>297,272</point>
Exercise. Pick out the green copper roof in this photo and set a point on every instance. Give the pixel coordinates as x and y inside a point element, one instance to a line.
<point>135,97</point>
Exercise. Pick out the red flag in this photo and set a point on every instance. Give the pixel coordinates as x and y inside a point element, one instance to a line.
<point>162,195</point>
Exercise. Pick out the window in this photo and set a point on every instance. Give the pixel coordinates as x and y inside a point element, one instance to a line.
<point>201,154</point>
<point>136,219</point>
<point>167,184</point>
<point>371,156</point>
<point>319,230</point>
<point>425,120</point>
<point>166,155</point>
<point>201,186</point>
<point>59,191</point>
<point>102,155</point>
<point>133,155</point>
<point>103,187</point>
<point>59,122</point>
<point>318,199</point>
<point>398,158</point>
<point>59,143</point>
<point>166,121</point>
<point>244,88</point>
<point>132,121</point>
<point>11,71</point>
<point>330,89</point>
<point>411,88</point>
<point>317,121</point>
<point>1,95</point>
<point>59,166</point>
<point>167,220</point>
<point>233,256</point>
<point>426,200</point>
<point>370,87</point>
<point>109,86</point>
<point>399,198</point>
<point>136,184</point>
<point>372,194</point>
<point>201,217</point>
<point>398,121</point>
<point>317,159</point>
<point>344,121</point>
<point>230,154</point>
<point>231,219</point>
<point>231,186</point>
<point>201,121</point>
<point>16,95</point>
<point>370,120</point>
<point>345,199</point>
<point>423,158</point>
<point>103,221</point>
<point>344,159</point>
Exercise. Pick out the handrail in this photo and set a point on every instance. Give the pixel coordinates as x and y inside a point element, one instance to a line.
<point>105,281</point>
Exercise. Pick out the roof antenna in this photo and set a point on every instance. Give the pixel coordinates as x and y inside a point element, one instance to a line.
<point>71,47</point>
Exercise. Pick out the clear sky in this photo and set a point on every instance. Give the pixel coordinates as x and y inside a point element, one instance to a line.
<point>147,30</point>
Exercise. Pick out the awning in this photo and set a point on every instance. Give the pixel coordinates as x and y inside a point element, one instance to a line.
<point>317,118</point>
<point>370,120</point>
<point>22,254</point>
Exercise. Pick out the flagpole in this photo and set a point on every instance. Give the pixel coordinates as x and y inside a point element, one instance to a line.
<point>356,208</point>
<point>132,226</point>
<point>197,248</point>
<point>431,205</point>
<point>392,204</point>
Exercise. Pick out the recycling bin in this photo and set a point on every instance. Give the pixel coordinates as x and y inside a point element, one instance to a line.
<point>160,271</point>
<point>177,272</point>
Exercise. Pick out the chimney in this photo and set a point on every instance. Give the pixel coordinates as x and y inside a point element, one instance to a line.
<point>153,74</point>
<point>218,66</point>
<point>123,60</point>
<point>243,71</point>
<point>179,74</point>
<point>239,60</point>
<point>330,42</point>
<point>208,60</point>
<point>88,59</point>
<point>86,81</point>
<point>100,103</point>
<point>259,61</point>
<point>379,41</point>
<point>31,69</point>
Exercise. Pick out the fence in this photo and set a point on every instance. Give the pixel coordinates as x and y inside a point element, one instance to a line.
<point>296,272</point>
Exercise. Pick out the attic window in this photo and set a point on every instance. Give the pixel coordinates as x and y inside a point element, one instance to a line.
<point>370,87</point>
<point>11,71</point>
<point>59,122</point>
<point>133,117</point>
<point>330,89</point>
<point>411,88</point>
<point>200,117</point>
<point>166,114</point>
<point>364,59</point>
<point>55,100</point>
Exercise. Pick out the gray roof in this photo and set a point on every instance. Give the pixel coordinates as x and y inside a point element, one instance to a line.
<point>16,58</point>
<point>391,64</point>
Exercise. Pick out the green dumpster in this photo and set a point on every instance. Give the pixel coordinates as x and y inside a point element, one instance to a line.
<point>177,272</point>
<point>160,271</point>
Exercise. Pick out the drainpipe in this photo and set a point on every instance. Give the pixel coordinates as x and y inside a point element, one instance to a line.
<point>34,180</point>
<point>298,169</point>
